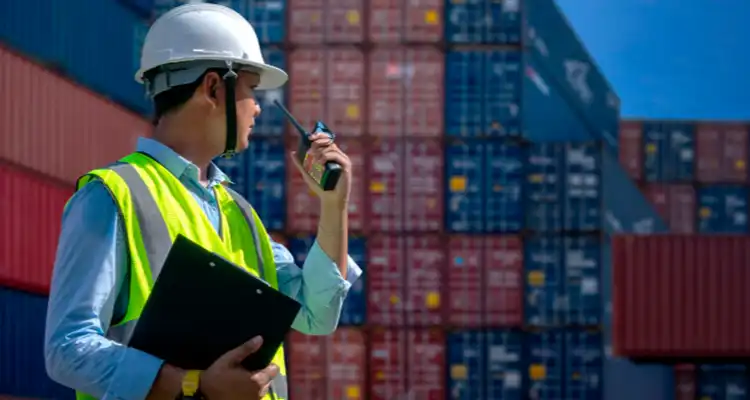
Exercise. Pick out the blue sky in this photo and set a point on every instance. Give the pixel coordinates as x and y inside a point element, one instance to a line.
<point>684,59</point>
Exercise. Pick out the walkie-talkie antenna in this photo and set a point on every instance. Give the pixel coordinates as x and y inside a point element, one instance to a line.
<point>291,119</point>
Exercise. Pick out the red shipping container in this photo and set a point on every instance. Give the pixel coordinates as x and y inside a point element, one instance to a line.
<point>423,186</point>
<point>306,357</point>
<point>721,153</point>
<point>424,267</point>
<point>278,237</point>
<point>56,127</point>
<point>681,296</point>
<point>386,182</point>
<point>303,207</point>
<point>386,294</point>
<point>405,89</point>
<point>321,21</point>
<point>387,363</point>
<point>426,364</point>
<point>684,382</point>
<point>674,203</point>
<point>347,364</point>
<point>631,156</point>
<point>485,281</point>
<point>31,214</point>
<point>328,84</point>
<point>396,21</point>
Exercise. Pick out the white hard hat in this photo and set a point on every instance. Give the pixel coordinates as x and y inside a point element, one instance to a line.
<point>189,39</point>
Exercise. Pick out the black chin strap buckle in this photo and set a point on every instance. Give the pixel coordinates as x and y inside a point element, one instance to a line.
<point>230,82</point>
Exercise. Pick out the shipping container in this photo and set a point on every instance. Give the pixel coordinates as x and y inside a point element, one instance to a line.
<point>583,365</point>
<point>405,92</point>
<point>675,203</point>
<point>485,281</point>
<point>268,17</point>
<point>484,186</point>
<point>543,258</point>
<point>426,364</point>
<point>582,282</point>
<point>490,22</point>
<point>680,296</point>
<point>387,364</point>
<point>271,121</point>
<point>684,382</point>
<point>72,40</point>
<point>424,268</point>
<point>302,205</point>
<point>723,209</point>
<point>466,365</point>
<point>328,83</point>
<point>22,317</point>
<point>31,213</point>
<point>258,174</point>
<point>322,21</point>
<point>669,151</point>
<point>504,364</point>
<point>721,152</point>
<point>393,21</point>
<point>386,295</point>
<point>353,312</point>
<point>631,148</point>
<point>546,359</point>
<point>722,382</point>
<point>558,54</point>
<point>70,132</point>
<point>307,358</point>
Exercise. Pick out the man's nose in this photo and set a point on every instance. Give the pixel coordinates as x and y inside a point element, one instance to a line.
<point>257,109</point>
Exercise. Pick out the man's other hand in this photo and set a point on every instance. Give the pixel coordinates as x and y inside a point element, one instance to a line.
<point>226,379</point>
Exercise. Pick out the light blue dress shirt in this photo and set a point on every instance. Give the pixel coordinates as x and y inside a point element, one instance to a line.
<point>90,272</point>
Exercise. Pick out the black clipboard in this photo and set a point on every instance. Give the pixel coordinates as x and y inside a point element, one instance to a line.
<point>203,305</point>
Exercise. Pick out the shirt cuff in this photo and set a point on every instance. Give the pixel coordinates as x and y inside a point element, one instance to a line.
<point>136,373</point>
<point>321,268</point>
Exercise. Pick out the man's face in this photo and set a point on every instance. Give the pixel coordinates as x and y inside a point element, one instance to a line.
<point>247,108</point>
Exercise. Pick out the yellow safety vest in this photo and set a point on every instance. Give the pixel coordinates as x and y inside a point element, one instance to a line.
<point>155,207</point>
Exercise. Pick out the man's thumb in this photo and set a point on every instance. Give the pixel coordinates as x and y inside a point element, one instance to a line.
<point>238,354</point>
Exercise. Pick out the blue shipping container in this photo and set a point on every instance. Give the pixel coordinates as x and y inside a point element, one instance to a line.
<point>22,371</point>
<point>545,377</point>
<point>543,258</point>
<point>259,174</point>
<point>484,182</point>
<point>582,282</point>
<point>485,364</point>
<point>583,365</point>
<point>97,43</point>
<point>268,17</point>
<point>722,209</point>
<point>483,21</point>
<point>354,310</point>
<point>722,382</point>
<point>556,49</point>
<point>271,121</point>
<point>669,151</point>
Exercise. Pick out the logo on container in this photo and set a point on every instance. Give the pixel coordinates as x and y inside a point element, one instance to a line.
<point>537,41</point>
<point>538,81</point>
<point>576,72</point>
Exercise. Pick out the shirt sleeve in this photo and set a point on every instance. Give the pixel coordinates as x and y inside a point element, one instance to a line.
<point>318,286</point>
<point>89,271</point>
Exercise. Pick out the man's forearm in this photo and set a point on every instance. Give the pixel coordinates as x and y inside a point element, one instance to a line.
<point>168,384</point>
<point>333,234</point>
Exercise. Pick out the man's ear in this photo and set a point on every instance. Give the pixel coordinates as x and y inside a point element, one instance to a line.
<point>212,88</point>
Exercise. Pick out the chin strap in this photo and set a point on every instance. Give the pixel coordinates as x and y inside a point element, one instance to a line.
<point>230,82</point>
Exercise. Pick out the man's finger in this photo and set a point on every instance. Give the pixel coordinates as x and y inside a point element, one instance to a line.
<point>305,176</point>
<point>236,355</point>
<point>266,375</point>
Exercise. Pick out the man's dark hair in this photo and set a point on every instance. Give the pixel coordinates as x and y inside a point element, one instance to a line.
<point>172,99</point>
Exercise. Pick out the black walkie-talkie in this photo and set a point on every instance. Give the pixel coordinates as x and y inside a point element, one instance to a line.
<point>326,175</point>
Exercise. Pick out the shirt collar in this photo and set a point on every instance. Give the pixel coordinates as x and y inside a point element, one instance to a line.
<point>177,164</point>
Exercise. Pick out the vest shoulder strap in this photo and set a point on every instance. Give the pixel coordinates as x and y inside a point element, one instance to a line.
<point>249,214</point>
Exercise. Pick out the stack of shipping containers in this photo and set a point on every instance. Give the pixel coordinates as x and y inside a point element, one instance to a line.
<point>695,174</point>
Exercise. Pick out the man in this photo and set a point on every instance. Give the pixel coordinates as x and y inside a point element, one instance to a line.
<point>201,64</point>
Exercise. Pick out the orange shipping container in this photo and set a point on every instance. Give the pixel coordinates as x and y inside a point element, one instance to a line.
<point>321,21</point>
<point>398,21</point>
<point>58,128</point>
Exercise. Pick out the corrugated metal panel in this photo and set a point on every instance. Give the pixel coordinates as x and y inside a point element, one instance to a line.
<point>631,148</point>
<point>721,153</point>
<point>271,121</point>
<point>582,188</point>
<point>423,186</point>
<point>307,357</point>
<point>322,21</point>
<point>353,312</point>
<point>393,21</point>
<point>503,188</point>
<point>328,83</point>
<point>495,22</point>
<point>31,213</point>
<point>465,177</point>
<point>675,203</point>
<point>684,382</point>
<point>543,257</point>
<point>722,382</point>
<point>504,368</point>
<point>386,184</point>
<point>347,364</point>
<point>485,93</point>
<point>557,50</point>
<point>723,209</point>
<point>79,130</point>
<point>61,36</point>
<point>669,151</point>
<point>302,206</point>
<point>387,361</point>
<point>583,365</point>
<point>258,174</point>
<point>425,256</point>
<point>426,364</point>
<point>22,317</point>
<point>545,365</point>
<point>386,294</point>
<point>666,304</point>
<point>582,284</point>
<point>267,16</point>
<point>405,89</point>
<point>466,365</point>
